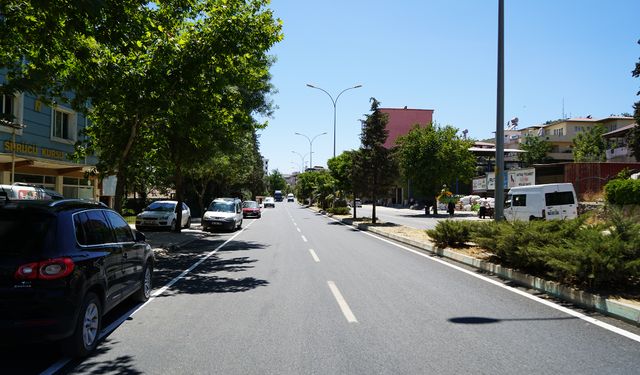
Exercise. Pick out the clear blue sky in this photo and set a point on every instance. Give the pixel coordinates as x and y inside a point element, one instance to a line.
<point>442,55</point>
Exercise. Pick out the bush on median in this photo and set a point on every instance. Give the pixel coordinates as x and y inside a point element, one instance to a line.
<point>569,251</point>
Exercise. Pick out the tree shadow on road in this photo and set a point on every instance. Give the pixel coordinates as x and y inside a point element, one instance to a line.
<point>211,275</point>
<point>96,364</point>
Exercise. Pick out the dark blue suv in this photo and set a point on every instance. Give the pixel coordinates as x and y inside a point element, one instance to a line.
<point>63,264</point>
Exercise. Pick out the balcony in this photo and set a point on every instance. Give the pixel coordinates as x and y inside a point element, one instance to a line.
<point>618,153</point>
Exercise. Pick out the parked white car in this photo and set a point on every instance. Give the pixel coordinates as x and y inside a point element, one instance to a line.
<point>163,214</point>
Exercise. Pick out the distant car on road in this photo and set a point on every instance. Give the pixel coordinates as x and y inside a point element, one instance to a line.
<point>269,202</point>
<point>63,265</point>
<point>290,197</point>
<point>163,214</point>
<point>251,209</point>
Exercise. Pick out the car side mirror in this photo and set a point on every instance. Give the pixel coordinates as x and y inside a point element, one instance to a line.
<point>139,236</point>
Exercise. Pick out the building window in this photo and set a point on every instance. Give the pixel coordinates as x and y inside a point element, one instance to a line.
<point>559,132</point>
<point>64,125</point>
<point>10,110</point>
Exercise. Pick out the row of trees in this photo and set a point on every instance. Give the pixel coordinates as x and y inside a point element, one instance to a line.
<point>429,157</point>
<point>171,87</point>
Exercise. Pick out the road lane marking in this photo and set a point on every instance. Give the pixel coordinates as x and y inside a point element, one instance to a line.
<point>304,238</point>
<point>53,369</point>
<point>298,229</point>
<point>342,303</point>
<point>553,305</point>
<point>314,256</point>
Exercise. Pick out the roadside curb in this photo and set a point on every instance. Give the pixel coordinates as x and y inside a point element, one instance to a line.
<point>616,309</point>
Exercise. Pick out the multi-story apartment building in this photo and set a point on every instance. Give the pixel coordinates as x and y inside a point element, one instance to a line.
<point>35,143</point>
<point>562,133</point>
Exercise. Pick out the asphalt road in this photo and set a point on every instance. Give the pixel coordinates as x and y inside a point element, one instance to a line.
<point>297,293</point>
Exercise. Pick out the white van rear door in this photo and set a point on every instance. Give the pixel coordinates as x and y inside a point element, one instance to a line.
<point>561,205</point>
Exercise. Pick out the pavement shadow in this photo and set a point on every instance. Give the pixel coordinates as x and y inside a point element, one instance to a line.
<point>486,320</point>
<point>210,276</point>
<point>96,364</point>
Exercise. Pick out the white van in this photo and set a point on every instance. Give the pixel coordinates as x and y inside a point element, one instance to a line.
<point>223,213</point>
<point>541,202</point>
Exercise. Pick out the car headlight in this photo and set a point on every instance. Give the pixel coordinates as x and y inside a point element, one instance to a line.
<point>165,217</point>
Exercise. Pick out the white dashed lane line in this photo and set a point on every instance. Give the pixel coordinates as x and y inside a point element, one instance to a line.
<point>314,256</point>
<point>348,314</point>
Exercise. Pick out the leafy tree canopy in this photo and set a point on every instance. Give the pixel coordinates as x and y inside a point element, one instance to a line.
<point>276,181</point>
<point>536,149</point>
<point>589,146</point>
<point>434,155</point>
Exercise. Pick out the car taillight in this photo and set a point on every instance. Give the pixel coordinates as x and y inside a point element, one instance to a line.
<point>49,269</point>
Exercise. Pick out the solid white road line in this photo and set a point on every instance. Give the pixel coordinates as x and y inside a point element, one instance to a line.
<point>298,229</point>
<point>314,255</point>
<point>342,303</point>
<point>553,305</point>
<point>304,238</point>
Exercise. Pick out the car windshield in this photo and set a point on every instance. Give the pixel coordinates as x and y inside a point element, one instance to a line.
<point>161,206</point>
<point>221,207</point>
<point>250,204</point>
<point>22,232</point>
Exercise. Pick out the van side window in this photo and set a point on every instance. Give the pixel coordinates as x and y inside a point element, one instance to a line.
<point>559,198</point>
<point>519,200</point>
<point>122,229</point>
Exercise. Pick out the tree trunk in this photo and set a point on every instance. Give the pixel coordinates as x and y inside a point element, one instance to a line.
<point>120,172</point>
<point>120,182</point>
<point>373,212</point>
<point>354,207</point>
<point>435,205</point>
<point>179,198</point>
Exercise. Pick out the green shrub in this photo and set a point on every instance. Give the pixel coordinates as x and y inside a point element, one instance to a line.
<point>519,244</point>
<point>340,203</point>
<point>622,192</point>
<point>338,210</point>
<point>450,233</point>
<point>597,258</point>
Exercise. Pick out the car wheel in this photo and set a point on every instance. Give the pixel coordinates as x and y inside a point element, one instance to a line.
<point>143,294</point>
<point>174,225</point>
<point>188,225</point>
<point>240,224</point>
<point>85,336</point>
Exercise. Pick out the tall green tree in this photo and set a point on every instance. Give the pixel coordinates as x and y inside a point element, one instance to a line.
<point>536,149</point>
<point>276,181</point>
<point>375,169</point>
<point>342,170</point>
<point>433,156</point>
<point>315,186</point>
<point>589,146</point>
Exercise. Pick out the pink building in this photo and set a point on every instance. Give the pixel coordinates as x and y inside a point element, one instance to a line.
<point>401,120</point>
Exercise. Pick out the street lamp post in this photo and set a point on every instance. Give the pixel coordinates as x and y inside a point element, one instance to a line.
<point>334,109</point>
<point>302,158</point>
<point>311,146</point>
